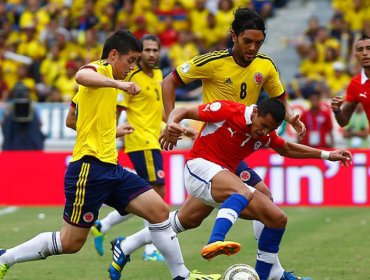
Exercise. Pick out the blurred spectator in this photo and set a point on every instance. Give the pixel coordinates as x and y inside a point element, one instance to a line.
<point>141,27</point>
<point>168,36</point>
<point>263,7</point>
<point>340,30</point>
<point>357,130</point>
<point>224,16</point>
<point>183,50</point>
<point>21,127</point>
<point>198,18</point>
<point>318,122</point>
<point>34,15</point>
<point>66,83</point>
<point>210,37</point>
<point>26,82</point>
<point>54,95</point>
<point>339,81</point>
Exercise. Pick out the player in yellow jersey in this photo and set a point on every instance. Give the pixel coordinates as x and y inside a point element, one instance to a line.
<point>94,176</point>
<point>237,74</point>
<point>144,112</point>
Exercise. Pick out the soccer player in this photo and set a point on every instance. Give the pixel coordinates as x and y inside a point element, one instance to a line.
<point>358,90</point>
<point>237,74</point>
<point>94,176</point>
<point>231,132</point>
<point>144,112</point>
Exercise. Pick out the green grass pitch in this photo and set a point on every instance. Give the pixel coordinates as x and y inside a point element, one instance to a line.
<point>323,243</point>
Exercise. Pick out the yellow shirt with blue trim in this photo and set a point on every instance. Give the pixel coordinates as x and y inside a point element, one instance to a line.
<point>224,79</point>
<point>96,119</point>
<point>144,110</point>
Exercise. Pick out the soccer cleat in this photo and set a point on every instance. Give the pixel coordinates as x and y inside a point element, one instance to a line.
<point>196,275</point>
<point>3,267</point>
<point>220,247</point>
<point>156,256</point>
<point>98,238</point>
<point>119,259</point>
<point>291,276</point>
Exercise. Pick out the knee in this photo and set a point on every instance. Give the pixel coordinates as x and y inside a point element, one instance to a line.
<point>160,215</point>
<point>281,220</point>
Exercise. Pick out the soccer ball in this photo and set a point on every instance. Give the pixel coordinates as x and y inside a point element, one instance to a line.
<point>240,272</point>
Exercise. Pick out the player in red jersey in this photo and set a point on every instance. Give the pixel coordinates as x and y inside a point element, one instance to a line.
<point>358,90</point>
<point>232,131</point>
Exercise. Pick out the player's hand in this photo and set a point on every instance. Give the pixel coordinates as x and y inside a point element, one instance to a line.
<point>336,102</point>
<point>129,87</point>
<point>191,133</point>
<point>344,156</point>
<point>124,129</point>
<point>298,126</point>
<point>170,135</point>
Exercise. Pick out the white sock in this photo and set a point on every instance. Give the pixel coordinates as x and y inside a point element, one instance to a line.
<point>175,222</point>
<point>135,241</point>
<point>277,270</point>
<point>112,219</point>
<point>40,247</point>
<point>165,239</point>
<point>149,248</point>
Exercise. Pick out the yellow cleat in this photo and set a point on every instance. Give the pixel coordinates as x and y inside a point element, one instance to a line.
<point>196,275</point>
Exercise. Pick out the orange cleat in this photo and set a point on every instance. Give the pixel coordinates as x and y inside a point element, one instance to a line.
<point>220,247</point>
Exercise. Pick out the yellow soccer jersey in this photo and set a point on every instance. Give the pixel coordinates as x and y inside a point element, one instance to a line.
<point>96,119</point>
<point>144,110</point>
<point>223,79</point>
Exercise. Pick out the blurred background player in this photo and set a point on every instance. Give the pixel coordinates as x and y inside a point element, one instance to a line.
<point>238,74</point>
<point>144,112</point>
<point>358,90</point>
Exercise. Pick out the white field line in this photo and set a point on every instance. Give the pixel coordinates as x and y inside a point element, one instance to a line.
<point>8,210</point>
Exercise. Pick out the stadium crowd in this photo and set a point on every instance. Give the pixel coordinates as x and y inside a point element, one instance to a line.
<point>44,43</point>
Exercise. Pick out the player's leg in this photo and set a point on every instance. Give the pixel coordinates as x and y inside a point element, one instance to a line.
<point>149,166</point>
<point>137,197</point>
<point>101,227</point>
<point>214,185</point>
<point>275,220</point>
<point>83,201</point>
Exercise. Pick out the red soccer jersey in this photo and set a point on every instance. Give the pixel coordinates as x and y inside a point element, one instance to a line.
<point>226,136</point>
<point>359,91</point>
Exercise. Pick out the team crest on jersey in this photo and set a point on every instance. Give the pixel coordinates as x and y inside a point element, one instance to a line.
<point>257,145</point>
<point>88,217</point>
<point>185,67</point>
<point>120,97</point>
<point>258,78</point>
<point>215,106</point>
<point>160,174</point>
<point>245,176</point>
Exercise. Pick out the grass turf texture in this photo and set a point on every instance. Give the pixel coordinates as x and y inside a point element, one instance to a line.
<point>323,243</point>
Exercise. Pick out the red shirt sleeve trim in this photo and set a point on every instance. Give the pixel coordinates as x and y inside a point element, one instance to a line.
<point>89,67</point>
<point>177,77</point>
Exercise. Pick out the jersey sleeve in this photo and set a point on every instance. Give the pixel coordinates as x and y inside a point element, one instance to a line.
<point>193,70</point>
<point>276,141</point>
<point>216,111</point>
<point>273,85</point>
<point>351,95</point>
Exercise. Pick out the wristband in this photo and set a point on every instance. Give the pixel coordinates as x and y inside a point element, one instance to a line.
<point>325,154</point>
<point>336,112</point>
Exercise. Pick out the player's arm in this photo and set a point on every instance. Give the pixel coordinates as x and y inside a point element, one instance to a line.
<point>294,120</point>
<point>343,110</point>
<point>169,85</point>
<point>71,118</point>
<point>294,150</point>
<point>174,130</point>
<point>89,77</point>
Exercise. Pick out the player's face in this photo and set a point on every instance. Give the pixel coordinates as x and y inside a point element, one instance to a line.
<point>150,55</point>
<point>362,52</point>
<point>247,45</point>
<point>262,125</point>
<point>122,64</point>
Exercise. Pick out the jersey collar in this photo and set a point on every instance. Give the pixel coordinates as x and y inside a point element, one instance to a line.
<point>248,114</point>
<point>364,78</point>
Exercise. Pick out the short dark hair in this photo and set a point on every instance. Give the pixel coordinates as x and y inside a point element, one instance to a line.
<point>150,37</point>
<point>123,41</point>
<point>364,37</point>
<point>272,106</point>
<point>246,18</point>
